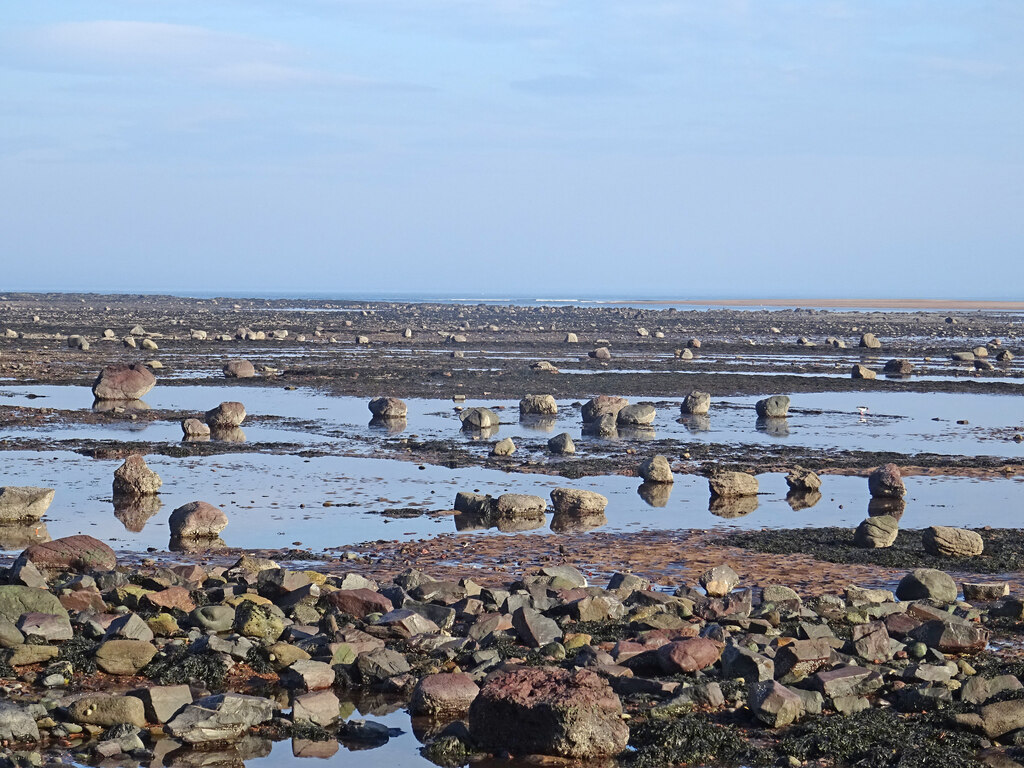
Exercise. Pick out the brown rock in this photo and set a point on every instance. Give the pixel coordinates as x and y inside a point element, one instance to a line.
<point>226,415</point>
<point>135,478</point>
<point>123,382</point>
<point>71,553</point>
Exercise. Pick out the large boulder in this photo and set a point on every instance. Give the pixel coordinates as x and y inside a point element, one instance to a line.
<point>639,415</point>
<point>107,710</point>
<point>538,405</point>
<point>17,724</point>
<point>135,478</point>
<point>388,408</point>
<point>223,717</point>
<point>123,382</point>
<point>197,520</point>
<point>728,484</point>
<point>226,415</point>
<point>574,500</point>
<point>16,600</point>
<point>479,418</point>
<point>444,696</point>
<point>870,341</point>
<point>898,367</point>
<point>877,532</point>
<point>927,584</point>
<point>886,482</point>
<point>774,407</point>
<point>71,553</point>
<point>656,469</point>
<point>602,405</point>
<point>23,504</point>
<point>562,444</point>
<point>862,372</point>
<point>696,402</point>
<point>952,542</point>
<point>239,369</point>
<point>803,480</point>
<point>549,711</point>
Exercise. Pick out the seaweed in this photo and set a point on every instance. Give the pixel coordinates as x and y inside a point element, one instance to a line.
<point>690,740</point>
<point>181,667</point>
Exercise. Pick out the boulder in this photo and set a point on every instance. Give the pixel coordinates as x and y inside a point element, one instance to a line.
<point>71,553</point>
<point>601,353</point>
<point>774,704</point>
<point>226,415</point>
<point>720,580</point>
<point>862,372</point>
<point>135,478</point>
<point>17,724</point>
<point>319,707</point>
<point>478,418</point>
<point>602,405</point>
<point>194,428</point>
<point>898,367</point>
<point>388,408</point>
<point>870,341</point>
<point>641,414</point>
<point>239,369</point>
<point>571,338</point>
<point>124,657</point>
<point>576,501</point>
<point>504,447</point>
<point>197,520</point>
<point>538,405</point>
<point>17,600</point>
<point>107,710</point>
<point>23,504</point>
<point>696,402</point>
<point>886,482</point>
<point>729,484</point>
<point>927,584</point>
<point>803,480</point>
<point>688,655</point>
<point>562,444</point>
<point>123,382</point>
<point>952,542</point>
<point>774,407</point>
<point>656,469</point>
<point>223,717</point>
<point>548,711</point>
<point>444,696</point>
<point>877,532</point>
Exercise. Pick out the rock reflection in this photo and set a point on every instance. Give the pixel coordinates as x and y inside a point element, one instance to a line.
<point>636,432</point>
<point>655,494</point>
<point>134,511</point>
<point>228,435</point>
<point>320,749</point>
<point>696,422</point>
<point>196,546</point>
<point>526,521</point>
<point>776,427</point>
<point>472,521</point>
<point>538,423</point>
<point>891,507</point>
<point>225,756</point>
<point>803,499</point>
<point>577,522</point>
<point>23,535</point>
<point>605,426</point>
<point>732,506</point>
<point>391,426</point>
<point>110,406</point>
<point>483,433</point>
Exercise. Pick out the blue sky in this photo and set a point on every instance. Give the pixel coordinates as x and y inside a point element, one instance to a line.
<point>650,147</point>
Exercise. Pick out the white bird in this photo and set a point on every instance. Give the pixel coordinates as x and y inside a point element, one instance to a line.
<point>863,411</point>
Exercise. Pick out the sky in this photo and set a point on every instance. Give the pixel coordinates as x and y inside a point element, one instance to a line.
<point>669,148</point>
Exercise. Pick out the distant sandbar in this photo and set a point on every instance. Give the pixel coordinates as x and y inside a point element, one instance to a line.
<point>933,304</point>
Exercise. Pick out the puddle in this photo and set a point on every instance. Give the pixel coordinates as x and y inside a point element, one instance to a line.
<point>279,500</point>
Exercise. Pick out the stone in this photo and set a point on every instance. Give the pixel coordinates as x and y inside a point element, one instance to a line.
<point>604,426</point>
<point>985,592</point>
<point>576,501</point>
<point>886,482</point>
<point>124,657</point>
<point>803,480</point>
<point>862,372</point>
<point>239,369</point>
<point>24,655</point>
<point>23,504</point>
<point>478,418</point>
<point>123,382</point>
<point>802,658</point>
<point>719,581</point>
<point>443,696</point>
<point>571,338</point>
<point>898,367</point>
<point>952,636</point>
<point>226,415</point>
<point>504,447</point>
<point>135,478</point>
<point>162,702</point>
<point>308,675</point>
<point>870,341</point>
<point>194,428</point>
<point>72,553</point>
<point>656,469</point>
<point>978,689</point>
<point>600,353</point>
<point>774,704</point>
<point>927,584</point>
<point>408,623</point>
<point>46,626</point>
<point>388,408</point>
<point>197,520</point>
<point>223,717</point>
<point>562,444</point>
<point>877,532</point>
<point>639,415</point>
<point>107,710</point>
<point>774,407</point>
<point>261,622</point>
<point>952,542</point>
<point>17,724</point>
<point>534,629</point>
<point>688,655</point>
<point>319,707</point>
<point>359,602</point>
<point>729,484</point>
<point>570,714</point>
<point>380,664</point>
<point>696,403</point>
<point>1002,717</point>
<point>213,618</point>
<point>603,405</point>
<point>16,600</point>
<point>538,405</point>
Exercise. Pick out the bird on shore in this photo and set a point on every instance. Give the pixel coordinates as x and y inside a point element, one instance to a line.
<point>863,409</point>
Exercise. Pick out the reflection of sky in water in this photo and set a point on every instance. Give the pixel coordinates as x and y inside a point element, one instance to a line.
<point>262,494</point>
<point>839,426</point>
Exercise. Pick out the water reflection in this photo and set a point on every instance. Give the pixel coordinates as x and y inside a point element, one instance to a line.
<point>483,433</point>
<point>108,406</point>
<point>391,426</point>
<point>732,506</point>
<point>799,500</point>
<point>196,546</point>
<point>317,749</point>
<point>655,494</point>
<point>23,535</point>
<point>636,432</point>
<point>224,756</point>
<point>538,423</point>
<point>892,507</point>
<point>577,522</point>
<point>228,435</point>
<point>506,523</point>
<point>695,422</point>
<point>776,427</point>
<point>134,511</point>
